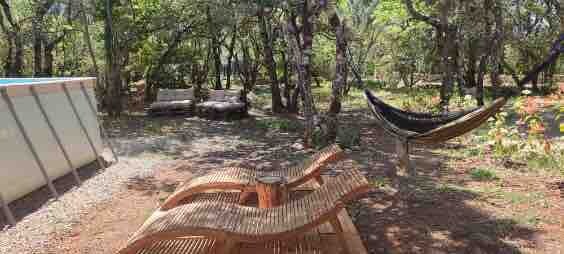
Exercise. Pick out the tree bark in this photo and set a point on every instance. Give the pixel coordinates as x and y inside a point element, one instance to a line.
<point>37,48</point>
<point>47,70</point>
<point>91,52</point>
<point>270,63</point>
<point>113,81</point>
<point>303,55</point>
<point>41,9</point>
<point>480,82</point>
<point>14,59</point>
<point>291,91</point>
<point>215,49</point>
<point>300,41</point>
<point>231,49</point>
<point>217,64</point>
<point>555,52</point>
<point>447,35</point>
<point>332,119</point>
<point>497,48</point>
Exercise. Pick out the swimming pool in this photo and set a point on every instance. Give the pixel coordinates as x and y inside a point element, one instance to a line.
<point>48,128</point>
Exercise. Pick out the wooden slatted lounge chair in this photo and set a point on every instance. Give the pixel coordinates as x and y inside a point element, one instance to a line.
<point>232,223</point>
<point>409,127</point>
<point>173,101</point>
<point>244,179</point>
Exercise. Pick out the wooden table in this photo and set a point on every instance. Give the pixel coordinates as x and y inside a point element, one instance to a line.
<point>271,191</point>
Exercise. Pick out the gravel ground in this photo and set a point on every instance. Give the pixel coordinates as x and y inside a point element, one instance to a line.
<point>141,154</point>
<point>30,235</point>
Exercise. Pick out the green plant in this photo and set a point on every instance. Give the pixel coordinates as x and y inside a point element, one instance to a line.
<point>348,137</point>
<point>481,174</point>
<point>375,84</point>
<point>380,182</point>
<point>503,139</point>
<point>278,124</point>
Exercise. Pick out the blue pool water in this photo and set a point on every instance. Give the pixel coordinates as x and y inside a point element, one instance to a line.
<point>26,81</point>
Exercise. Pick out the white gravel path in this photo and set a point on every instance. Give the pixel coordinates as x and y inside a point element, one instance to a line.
<point>31,234</point>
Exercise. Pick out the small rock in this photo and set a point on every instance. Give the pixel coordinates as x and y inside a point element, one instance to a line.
<point>298,146</point>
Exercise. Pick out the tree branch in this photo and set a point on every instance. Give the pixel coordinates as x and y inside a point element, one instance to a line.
<point>7,12</point>
<point>419,16</point>
<point>555,52</point>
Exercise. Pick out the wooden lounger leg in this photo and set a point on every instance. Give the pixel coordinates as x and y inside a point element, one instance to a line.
<point>225,246</point>
<point>340,234</point>
<point>319,179</point>
<point>244,197</point>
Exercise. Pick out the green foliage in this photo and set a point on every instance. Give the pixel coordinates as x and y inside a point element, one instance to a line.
<point>380,182</point>
<point>375,84</point>
<point>502,139</point>
<point>481,174</point>
<point>348,137</point>
<point>284,125</point>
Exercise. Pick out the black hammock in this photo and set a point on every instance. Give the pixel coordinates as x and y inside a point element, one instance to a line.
<point>429,128</point>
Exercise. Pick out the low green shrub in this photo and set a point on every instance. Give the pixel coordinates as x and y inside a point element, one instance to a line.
<point>285,125</point>
<point>481,174</point>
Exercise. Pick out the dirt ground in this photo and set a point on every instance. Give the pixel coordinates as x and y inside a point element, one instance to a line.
<point>446,211</point>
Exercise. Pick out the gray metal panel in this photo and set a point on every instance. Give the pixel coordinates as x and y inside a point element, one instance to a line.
<point>95,113</point>
<point>72,168</point>
<point>28,142</point>
<point>83,127</point>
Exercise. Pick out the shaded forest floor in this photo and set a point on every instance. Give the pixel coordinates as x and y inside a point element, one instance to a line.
<point>462,201</point>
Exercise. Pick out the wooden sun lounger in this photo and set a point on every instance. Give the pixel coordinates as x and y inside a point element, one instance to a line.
<point>231,224</point>
<point>245,179</point>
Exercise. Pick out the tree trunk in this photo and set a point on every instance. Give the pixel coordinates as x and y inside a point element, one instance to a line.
<point>303,66</point>
<point>88,41</point>
<point>217,64</point>
<point>332,119</point>
<point>13,66</point>
<point>291,91</point>
<point>480,82</point>
<point>231,49</point>
<point>113,81</point>
<point>37,47</point>
<point>8,60</point>
<point>448,53</point>
<point>18,55</point>
<point>48,60</point>
<point>555,52</point>
<point>447,36</point>
<point>269,62</point>
<point>497,49</point>
<point>215,48</point>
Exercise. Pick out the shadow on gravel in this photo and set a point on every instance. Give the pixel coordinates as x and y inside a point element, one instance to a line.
<point>42,196</point>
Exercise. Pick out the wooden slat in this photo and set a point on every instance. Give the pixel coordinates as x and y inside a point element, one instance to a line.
<point>311,243</point>
<point>351,234</point>
<point>243,178</point>
<point>213,217</point>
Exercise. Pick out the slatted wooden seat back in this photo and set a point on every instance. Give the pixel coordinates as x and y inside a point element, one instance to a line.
<point>250,224</point>
<point>236,178</point>
<point>299,174</point>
